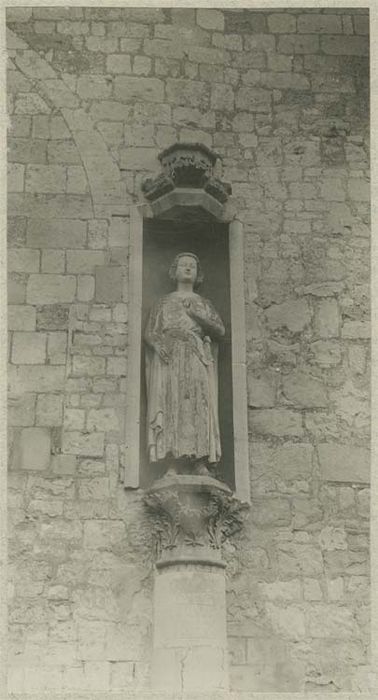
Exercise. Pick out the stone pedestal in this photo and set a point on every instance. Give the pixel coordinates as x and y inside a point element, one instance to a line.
<point>191,515</point>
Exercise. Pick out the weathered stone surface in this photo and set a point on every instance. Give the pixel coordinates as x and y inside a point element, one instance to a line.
<point>303,390</point>
<point>289,461</point>
<point>49,411</point>
<point>331,621</point>
<point>50,289</point>
<point>132,89</point>
<point>21,318</point>
<point>41,378</point>
<point>344,463</point>
<point>23,260</point>
<point>29,348</point>
<point>56,233</point>
<point>21,410</point>
<point>294,315</point>
<point>262,390</point>
<point>279,422</point>
<point>87,445</point>
<point>34,449</point>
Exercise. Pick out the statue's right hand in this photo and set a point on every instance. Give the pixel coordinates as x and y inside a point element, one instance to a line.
<point>163,354</point>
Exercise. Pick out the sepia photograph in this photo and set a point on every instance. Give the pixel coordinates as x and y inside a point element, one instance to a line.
<point>189,351</point>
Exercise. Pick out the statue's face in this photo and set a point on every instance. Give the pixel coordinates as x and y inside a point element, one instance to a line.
<point>186,270</point>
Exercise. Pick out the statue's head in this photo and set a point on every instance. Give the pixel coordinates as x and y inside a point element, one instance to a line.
<point>186,267</point>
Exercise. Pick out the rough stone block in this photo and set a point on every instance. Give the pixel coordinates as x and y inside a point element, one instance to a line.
<point>63,151</point>
<point>253,99</point>
<point>45,178</point>
<point>74,419</point>
<point>53,261</point>
<point>64,464</point>
<point>304,390</point>
<point>222,97</point>
<point>77,182</point>
<point>15,177</point>
<point>104,534</point>
<point>288,621</point>
<point>191,93</point>
<point>87,445</point>
<point>325,353</point>
<point>359,189</point>
<point>21,410</point>
<point>282,23</point>
<point>43,378</point>
<point>327,318</point>
<point>88,365</point>
<point>85,287</point>
<point>132,89</point>
<point>289,461</point>
<point>344,463</point>
<point>16,287</point>
<point>29,348</point>
<point>138,158</point>
<point>34,449</point>
<point>16,232</point>
<point>298,44</point>
<point>324,621</point>
<point>97,234</point>
<point>94,489</point>
<point>104,419</point>
<point>49,410</point>
<point>210,19</point>
<point>56,233</point>
<point>84,261</point>
<point>319,24</point>
<point>299,559</point>
<point>312,589</point>
<point>142,65</point>
<point>118,63</point>
<point>117,366</point>
<point>271,512</point>
<point>31,103</point>
<point>21,318</point>
<point>262,389</point>
<point>356,330</point>
<point>275,421</point>
<point>361,24</point>
<point>109,284</point>
<point>93,87</point>
<point>344,45</point>
<point>23,260</point>
<point>295,315</point>
<point>26,150</point>
<point>53,317</point>
<point>50,289</point>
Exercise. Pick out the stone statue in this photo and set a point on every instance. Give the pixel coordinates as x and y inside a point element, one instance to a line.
<point>182,375</point>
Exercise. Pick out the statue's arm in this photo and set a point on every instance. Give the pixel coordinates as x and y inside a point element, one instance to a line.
<point>153,335</point>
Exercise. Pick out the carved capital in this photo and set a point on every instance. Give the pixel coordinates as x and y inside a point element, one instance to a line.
<point>187,167</point>
<point>191,516</point>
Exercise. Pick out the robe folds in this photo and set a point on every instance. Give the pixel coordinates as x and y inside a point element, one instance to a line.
<point>182,392</point>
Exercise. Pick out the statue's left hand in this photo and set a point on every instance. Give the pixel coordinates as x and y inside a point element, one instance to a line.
<point>194,309</point>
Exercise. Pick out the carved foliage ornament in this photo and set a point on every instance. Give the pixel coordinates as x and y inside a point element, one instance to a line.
<point>187,165</point>
<point>201,518</point>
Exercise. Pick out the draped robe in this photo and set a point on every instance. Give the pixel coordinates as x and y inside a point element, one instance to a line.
<point>182,393</point>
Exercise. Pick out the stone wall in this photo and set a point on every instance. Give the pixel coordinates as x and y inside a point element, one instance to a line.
<point>94,95</point>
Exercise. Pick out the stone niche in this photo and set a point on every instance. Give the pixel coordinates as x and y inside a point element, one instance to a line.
<point>192,510</point>
<point>187,211</point>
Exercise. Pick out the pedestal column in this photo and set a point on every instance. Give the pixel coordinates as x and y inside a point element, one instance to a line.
<point>190,515</point>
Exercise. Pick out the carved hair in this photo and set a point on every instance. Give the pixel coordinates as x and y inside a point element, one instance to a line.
<point>173,268</point>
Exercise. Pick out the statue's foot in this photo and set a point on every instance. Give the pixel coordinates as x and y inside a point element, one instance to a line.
<point>201,469</point>
<point>171,471</point>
